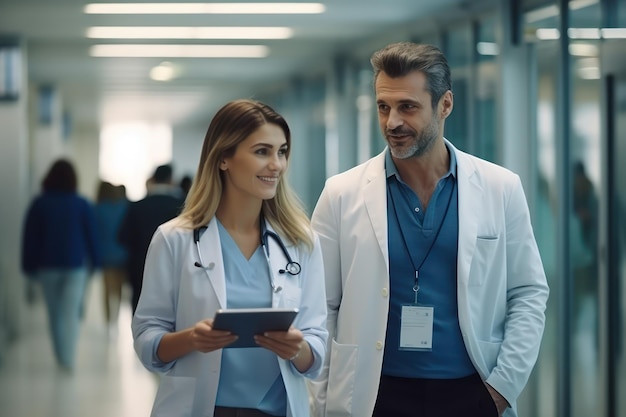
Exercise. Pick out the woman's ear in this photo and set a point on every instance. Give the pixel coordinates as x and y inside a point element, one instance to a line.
<point>223,165</point>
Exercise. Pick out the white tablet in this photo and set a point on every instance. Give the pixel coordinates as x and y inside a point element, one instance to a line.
<point>247,322</point>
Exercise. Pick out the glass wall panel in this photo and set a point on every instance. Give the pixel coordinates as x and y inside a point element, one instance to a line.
<point>303,105</point>
<point>369,137</point>
<point>544,102</point>
<point>432,38</point>
<point>366,103</point>
<point>540,20</point>
<point>585,13</point>
<point>316,145</point>
<point>585,148</point>
<point>621,13</point>
<point>458,49</point>
<point>618,222</point>
<point>535,5</point>
<point>545,222</point>
<point>487,76</point>
<point>588,388</point>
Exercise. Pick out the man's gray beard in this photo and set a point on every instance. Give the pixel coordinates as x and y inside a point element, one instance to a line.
<point>421,143</point>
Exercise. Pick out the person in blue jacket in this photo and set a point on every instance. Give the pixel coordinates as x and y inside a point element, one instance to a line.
<point>59,251</point>
<point>111,206</point>
<point>242,241</point>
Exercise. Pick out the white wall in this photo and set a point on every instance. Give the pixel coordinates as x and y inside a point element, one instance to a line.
<point>84,143</point>
<point>13,188</point>
<point>187,145</point>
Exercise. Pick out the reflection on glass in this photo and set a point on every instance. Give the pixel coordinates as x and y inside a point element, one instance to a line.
<point>486,90</point>
<point>458,49</point>
<point>585,14</point>
<point>619,223</point>
<point>544,381</point>
<point>585,145</point>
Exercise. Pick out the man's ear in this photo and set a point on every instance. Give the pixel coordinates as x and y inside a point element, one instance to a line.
<point>447,103</point>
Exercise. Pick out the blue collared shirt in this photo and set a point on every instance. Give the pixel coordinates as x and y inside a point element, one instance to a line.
<point>427,241</point>
<point>249,377</point>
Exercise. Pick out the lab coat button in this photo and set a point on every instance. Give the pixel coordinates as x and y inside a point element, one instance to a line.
<point>379,345</point>
<point>385,292</point>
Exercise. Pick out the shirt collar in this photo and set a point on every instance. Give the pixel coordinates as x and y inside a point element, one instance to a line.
<point>391,169</point>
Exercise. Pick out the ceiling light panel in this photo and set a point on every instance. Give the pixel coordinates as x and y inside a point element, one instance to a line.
<point>204,8</point>
<point>179,51</point>
<point>614,33</point>
<point>184,32</point>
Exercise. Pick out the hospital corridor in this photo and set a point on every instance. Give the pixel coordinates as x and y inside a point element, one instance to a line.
<point>108,379</point>
<point>119,91</point>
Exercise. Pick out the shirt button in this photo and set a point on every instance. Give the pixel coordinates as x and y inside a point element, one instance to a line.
<point>417,209</point>
<point>385,292</point>
<point>379,345</point>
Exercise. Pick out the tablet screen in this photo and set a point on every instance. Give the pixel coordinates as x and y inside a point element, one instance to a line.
<point>247,322</point>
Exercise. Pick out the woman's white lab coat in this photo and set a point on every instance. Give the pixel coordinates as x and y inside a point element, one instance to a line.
<point>176,294</point>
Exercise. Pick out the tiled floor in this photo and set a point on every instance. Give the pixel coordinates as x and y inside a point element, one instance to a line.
<point>108,380</point>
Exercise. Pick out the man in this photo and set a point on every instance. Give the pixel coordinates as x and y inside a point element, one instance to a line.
<point>163,202</point>
<point>436,290</point>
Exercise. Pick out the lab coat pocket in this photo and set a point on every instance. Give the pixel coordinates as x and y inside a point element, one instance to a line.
<point>485,258</point>
<point>292,297</point>
<point>174,397</point>
<point>490,352</point>
<point>343,363</point>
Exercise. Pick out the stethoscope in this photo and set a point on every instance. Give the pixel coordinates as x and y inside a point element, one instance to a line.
<point>292,267</point>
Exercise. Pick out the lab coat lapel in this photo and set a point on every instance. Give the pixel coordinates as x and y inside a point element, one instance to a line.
<point>211,250</point>
<point>375,197</point>
<point>470,196</point>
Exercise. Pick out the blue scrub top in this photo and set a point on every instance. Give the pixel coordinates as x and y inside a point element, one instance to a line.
<point>249,377</point>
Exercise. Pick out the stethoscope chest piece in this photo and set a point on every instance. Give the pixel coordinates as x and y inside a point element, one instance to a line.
<point>292,268</point>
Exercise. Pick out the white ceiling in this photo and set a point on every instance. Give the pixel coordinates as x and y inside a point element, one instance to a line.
<point>94,90</point>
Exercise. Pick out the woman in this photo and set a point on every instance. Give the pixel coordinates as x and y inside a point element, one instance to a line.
<point>239,191</point>
<point>110,210</point>
<point>59,250</point>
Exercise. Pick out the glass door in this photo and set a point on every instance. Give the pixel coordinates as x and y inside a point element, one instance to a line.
<point>616,151</point>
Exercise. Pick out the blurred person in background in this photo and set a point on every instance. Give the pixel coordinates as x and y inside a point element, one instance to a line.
<point>163,202</point>
<point>60,251</point>
<point>185,184</point>
<point>111,206</point>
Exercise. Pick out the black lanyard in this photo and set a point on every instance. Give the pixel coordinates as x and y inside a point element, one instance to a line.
<point>406,246</point>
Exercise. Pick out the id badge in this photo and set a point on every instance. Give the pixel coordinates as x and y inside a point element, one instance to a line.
<point>416,328</point>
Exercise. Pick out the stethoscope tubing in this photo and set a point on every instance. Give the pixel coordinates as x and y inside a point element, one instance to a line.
<point>292,267</point>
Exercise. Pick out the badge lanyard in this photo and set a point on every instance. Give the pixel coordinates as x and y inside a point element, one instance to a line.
<point>417,321</point>
<point>416,287</point>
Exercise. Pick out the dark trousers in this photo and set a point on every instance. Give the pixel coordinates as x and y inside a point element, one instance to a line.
<point>239,412</point>
<point>408,397</point>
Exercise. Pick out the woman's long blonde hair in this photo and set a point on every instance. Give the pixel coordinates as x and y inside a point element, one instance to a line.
<point>230,126</point>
